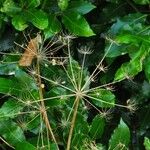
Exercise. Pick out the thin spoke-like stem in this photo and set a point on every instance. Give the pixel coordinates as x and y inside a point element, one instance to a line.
<point>21,113</point>
<point>55,97</point>
<point>105,102</point>
<point>91,76</point>
<point>68,118</point>
<point>70,64</point>
<point>53,82</point>
<point>101,86</point>
<point>6,143</point>
<point>81,74</point>
<point>91,104</point>
<point>69,78</point>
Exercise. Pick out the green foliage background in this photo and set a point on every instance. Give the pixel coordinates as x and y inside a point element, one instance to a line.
<point>107,42</point>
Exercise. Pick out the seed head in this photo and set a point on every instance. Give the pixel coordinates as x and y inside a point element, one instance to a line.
<point>85,50</point>
<point>131,105</point>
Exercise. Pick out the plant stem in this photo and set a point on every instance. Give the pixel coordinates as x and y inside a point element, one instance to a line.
<point>43,108</point>
<point>132,5</point>
<point>73,122</point>
<point>6,143</point>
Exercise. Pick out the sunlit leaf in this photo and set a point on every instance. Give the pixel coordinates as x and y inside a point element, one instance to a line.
<point>10,8</point>
<point>63,4</point>
<point>147,143</point>
<point>33,3</point>
<point>128,70</point>
<point>132,68</point>
<point>19,22</point>
<point>120,138</point>
<point>129,38</point>
<point>77,24</point>
<point>147,67</point>
<point>83,7</point>
<point>53,28</point>
<point>38,18</point>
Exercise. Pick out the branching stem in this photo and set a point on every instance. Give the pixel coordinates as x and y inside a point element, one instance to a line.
<point>43,112</point>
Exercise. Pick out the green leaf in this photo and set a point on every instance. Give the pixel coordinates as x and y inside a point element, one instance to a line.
<point>10,58</point>
<point>82,7</point>
<point>127,33</point>
<point>25,80</point>
<point>47,144</point>
<point>11,132</point>
<point>21,84</point>
<point>8,69</point>
<point>9,86</point>
<point>31,123</point>
<point>74,71</point>
<point>56,92</point>
<point>78,139</point>
<point>132,23</point>
<point>10,8</point>
<point>128,38</point>
<point>147,67</point>
<point>81,125</point>
<point>132,68</point>
<point>63,4</point>
<point>120,138</point>
<point>53,28</point>
<point>10,109</point>
<point>27,85</point>
<point>33,3</point>
<point>97,127</point>
<point>115,50</point>
<point>38,18</point>
<point>128,70</point>
<point>19,22</point>
<point>147,143</point>
<point>80,130</point>
<point>77,24</point>
<point>142,2</point>
<point>24,146</point>
<point>102,98</point>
